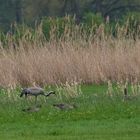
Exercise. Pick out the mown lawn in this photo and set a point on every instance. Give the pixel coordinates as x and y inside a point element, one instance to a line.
<point>97,116</point>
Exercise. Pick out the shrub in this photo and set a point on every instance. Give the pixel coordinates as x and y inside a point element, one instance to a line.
<point>131,21</point>
<point>57,26</point>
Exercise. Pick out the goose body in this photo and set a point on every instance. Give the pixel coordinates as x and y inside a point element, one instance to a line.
<point>35,91</point>
<point>32,109</point>
<point>62,106</point>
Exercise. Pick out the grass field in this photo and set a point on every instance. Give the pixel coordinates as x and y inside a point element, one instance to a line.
<point>97,116</point>
<point>71,64</point>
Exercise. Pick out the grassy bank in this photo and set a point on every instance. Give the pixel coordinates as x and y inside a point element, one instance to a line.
<point>96,116</point>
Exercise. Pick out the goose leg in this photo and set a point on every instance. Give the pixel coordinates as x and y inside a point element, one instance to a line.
<point>35,100</point>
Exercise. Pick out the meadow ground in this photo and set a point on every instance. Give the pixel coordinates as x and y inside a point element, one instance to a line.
<point>97,116</point>
<point>27,58</point>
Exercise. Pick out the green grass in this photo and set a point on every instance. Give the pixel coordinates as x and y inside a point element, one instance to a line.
<point>97,116</point>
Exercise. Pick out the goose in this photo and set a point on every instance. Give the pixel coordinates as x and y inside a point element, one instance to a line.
<point>32,109</point>
<point>128,97</point>
<point>35,91</point>
<point>63,106</point>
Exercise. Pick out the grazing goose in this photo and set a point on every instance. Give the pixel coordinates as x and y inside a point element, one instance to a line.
<point>128,97</point>
<point>64,106</point>
<point>125,93</point>
<point>35,91</point>
<point>32,109</point>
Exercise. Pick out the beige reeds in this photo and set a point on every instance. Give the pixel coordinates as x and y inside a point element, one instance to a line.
<point>95,60</point>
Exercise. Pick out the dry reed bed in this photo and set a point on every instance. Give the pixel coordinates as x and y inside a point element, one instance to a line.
<point>57,62</point>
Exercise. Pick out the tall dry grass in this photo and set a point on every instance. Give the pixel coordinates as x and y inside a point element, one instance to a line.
<point>71,58</point>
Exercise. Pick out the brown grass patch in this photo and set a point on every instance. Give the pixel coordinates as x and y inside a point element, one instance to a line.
<point>93,61</point>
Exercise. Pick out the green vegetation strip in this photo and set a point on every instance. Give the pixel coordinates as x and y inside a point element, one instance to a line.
<point>96,116</point>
